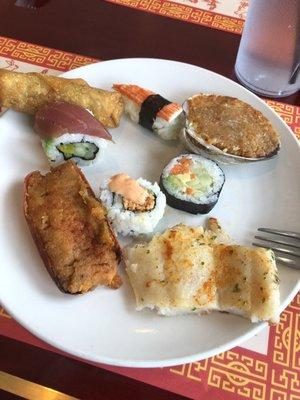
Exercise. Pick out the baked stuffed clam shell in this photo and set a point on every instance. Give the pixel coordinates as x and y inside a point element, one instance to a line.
<point>228,130</point>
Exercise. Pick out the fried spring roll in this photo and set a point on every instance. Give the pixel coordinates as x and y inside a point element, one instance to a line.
<point>27,92</point>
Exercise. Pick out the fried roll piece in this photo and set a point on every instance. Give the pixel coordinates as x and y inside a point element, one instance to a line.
<point>70,229</point>
<point>27,92</point>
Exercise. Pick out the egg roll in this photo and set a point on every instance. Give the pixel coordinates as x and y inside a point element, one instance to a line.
<point>27,92</point>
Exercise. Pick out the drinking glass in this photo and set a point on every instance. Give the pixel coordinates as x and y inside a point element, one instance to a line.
<point>268,59</point>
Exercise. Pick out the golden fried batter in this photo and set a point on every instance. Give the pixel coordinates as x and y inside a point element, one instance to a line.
<point>27,92</point>
<point>70,229</point>
<point>147,206</point>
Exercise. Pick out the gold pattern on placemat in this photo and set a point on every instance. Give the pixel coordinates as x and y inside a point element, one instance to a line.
<point>290,114</point>
<point>185,13</point>
<point>274,376</point>
<point>236,373</point>
<point>39,55</point>
<point>282,343</point>
<point>295,344</point>
<point>192,370</point>
<point>228,24</point>
<point>297,132</point>
<point>3,313</point>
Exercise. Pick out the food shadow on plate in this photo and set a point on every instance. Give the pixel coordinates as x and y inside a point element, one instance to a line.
<point>149,134</point>
<point>125,291</point>
<point>28,149</point>
<point>33,269</point>
<point>249,171</point>
<point>36,160</point>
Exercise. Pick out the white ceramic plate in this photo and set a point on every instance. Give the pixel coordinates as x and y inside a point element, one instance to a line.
<point>103,325</point>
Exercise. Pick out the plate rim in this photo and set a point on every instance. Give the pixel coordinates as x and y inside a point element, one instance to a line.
<point>132,363</point>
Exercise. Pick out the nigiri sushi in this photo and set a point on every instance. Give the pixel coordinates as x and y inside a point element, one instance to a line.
<point>68,132</point>
<point>152,111</point>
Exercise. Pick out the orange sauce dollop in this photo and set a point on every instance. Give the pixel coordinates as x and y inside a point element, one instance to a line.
<point>128,188</point>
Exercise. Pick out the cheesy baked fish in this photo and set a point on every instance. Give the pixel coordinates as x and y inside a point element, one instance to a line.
<point>188,270</point>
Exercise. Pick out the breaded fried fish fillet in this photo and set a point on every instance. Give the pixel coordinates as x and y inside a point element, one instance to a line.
<point>27,92</point>
<point>187,270</point>
<point>70,229</point>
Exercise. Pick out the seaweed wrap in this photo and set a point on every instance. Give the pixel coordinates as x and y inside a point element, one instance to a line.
<point>192,183</point>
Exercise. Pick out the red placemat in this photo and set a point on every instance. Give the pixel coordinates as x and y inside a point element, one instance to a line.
<point>265,367</point>
<point>225,15</point>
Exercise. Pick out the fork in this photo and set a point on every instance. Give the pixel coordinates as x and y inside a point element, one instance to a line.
<point>289,245</point>
<point>33,4</point>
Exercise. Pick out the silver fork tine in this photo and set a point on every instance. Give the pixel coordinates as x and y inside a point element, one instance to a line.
<point>288,262</point>
<point>281,250</point>
<point>290,234</point>
<point>25,3</point>
<point>277,241</point>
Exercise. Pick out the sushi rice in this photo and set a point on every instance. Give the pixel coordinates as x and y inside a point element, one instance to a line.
<point>212,171</point>
<point>88,148</point>
<point>167,130</point>
<point>128,222</point>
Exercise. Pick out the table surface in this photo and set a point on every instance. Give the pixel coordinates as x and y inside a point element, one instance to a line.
<point>106,31</point>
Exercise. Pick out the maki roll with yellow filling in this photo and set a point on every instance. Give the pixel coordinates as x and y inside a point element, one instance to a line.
<point>192,183</point>
<point>69,132</point>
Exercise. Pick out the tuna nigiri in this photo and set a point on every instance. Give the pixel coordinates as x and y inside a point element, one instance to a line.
<point>152,111</point>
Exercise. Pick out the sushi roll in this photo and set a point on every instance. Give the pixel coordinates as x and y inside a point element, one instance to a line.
<point>133,206</point>
<point>152,111</point>
<point>69,132</point>
<point>192,183</point>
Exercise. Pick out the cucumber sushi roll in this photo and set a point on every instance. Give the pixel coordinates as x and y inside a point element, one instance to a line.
<point>133,206</point>
<point>192,183</point>
<point>83,149</point>
<point>69,132</point>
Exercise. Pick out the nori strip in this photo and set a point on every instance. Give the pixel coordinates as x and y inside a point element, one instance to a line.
<point>187,206</point>
<point>150,108</point>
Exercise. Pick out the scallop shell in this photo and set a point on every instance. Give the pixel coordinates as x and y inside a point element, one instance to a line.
<point>199,146</point>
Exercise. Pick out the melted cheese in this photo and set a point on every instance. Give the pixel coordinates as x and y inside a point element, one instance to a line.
<point>187,270</point>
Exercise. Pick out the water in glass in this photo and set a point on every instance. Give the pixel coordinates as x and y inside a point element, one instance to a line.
<point>268,60</point>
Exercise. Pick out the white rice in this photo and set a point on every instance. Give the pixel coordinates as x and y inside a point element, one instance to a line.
<point>56,157</point>
<point>212,169</point>
<point>167,130</point>
<point>128,222</point>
